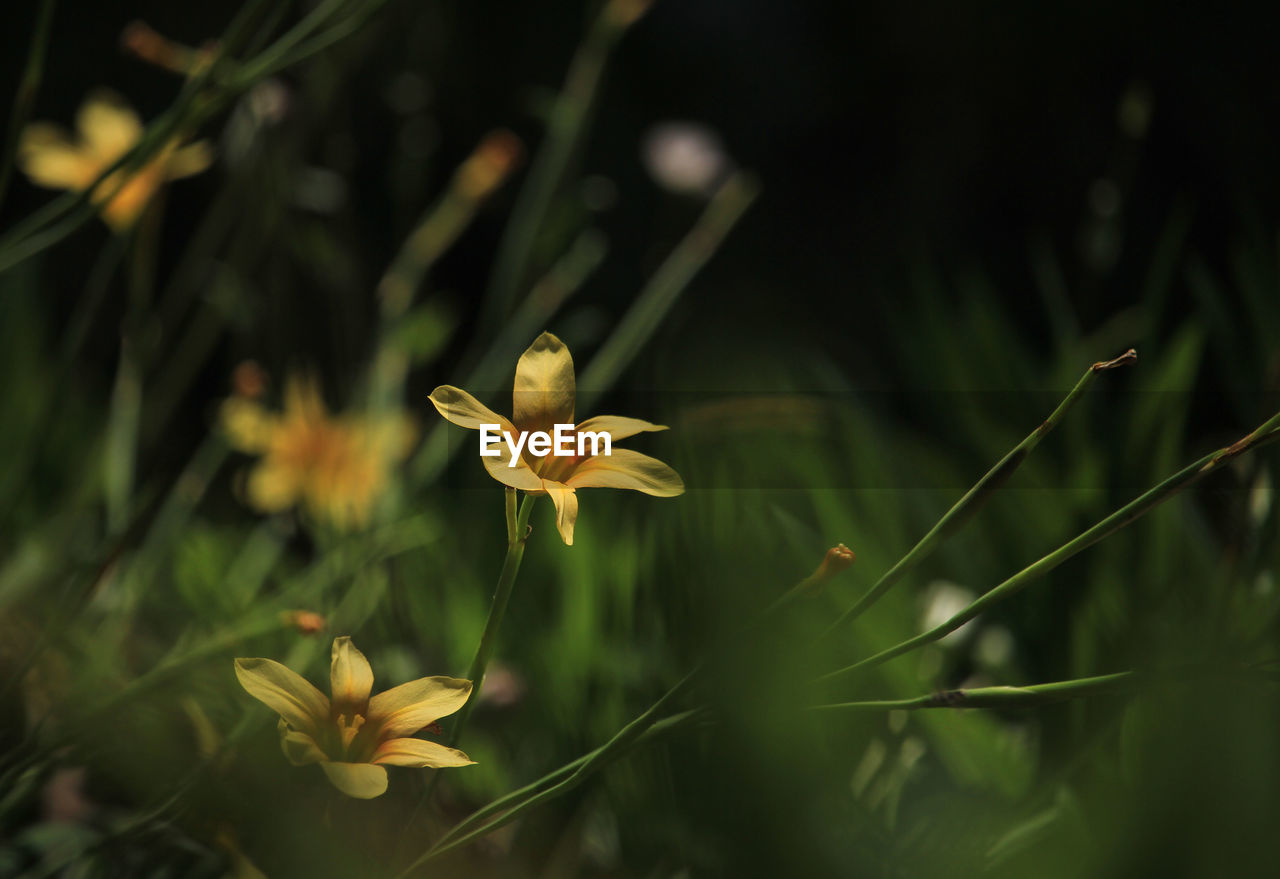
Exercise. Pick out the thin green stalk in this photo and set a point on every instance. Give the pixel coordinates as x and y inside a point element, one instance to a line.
<point>975,497</point>
<point>517,536</point>
<point>642,728</point>
<point>28,86</point>
<point>1184,478</point>
<point>998,697</point>
<point>518,797</point>
<point>622,741</point>
<point>670,280</point>
<point>440,225</point>
<point>566,129</point>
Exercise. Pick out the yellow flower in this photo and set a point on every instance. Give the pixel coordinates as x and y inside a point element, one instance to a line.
<point>545,392</point>
<point>335,466</point>
<point>106,130</point>
<point>353,736</point>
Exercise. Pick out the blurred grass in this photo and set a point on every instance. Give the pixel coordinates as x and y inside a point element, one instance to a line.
<point>132,572</point>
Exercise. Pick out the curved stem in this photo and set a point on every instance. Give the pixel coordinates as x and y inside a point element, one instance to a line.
<point>998,697</point>
<point>1268,432</point>
<point>974,498</point>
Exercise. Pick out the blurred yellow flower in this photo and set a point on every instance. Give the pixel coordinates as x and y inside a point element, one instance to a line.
<point>544,396</point>
<point>106,130</point>
<point>334,466</point>
<point>351,735</point>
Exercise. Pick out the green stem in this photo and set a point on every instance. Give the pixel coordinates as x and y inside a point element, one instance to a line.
<point>517,536</point>
<point>1265,433</point>
<point>976,497</point>
<point>32,74</point>
<point>571,776</point>
<point>998,697</point>
<point>722,213</point>
<point>566,129</point>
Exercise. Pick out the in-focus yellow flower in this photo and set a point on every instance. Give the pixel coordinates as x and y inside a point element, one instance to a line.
<point>106,129</point>
<point>334,466</point>
<point>545,393</point>
<point>353,736</point>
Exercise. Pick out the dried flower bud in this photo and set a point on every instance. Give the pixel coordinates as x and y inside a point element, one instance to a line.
<point>624,13</point>
<point>490,163</point>
<point>836,560</point>
<point>305,621</point>
<point>248,380</point>
<point>144,42</point>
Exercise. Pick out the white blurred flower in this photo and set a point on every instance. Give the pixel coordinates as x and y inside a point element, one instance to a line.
<point>994,647</point>
<point>943,600</point>
<point>685,157</point>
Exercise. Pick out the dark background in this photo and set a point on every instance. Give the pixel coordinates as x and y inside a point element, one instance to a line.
<point>884,134</point>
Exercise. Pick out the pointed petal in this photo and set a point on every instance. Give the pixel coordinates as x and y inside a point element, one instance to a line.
<point>190,159</point>
<point>566,501</point>
<point>247,425</point>
<point>627,469</point>
<point>303,401</point>
<point>617,426</point>
<point>126,205</point>
<point>299,748</point>
<point>464,410</point>
<point>520,476</point>
<point>51,160</point>
<point>284,691</point>
<point>419,753</point>
<point>108,128</point>
<point>274,486</point>
<point>364,781</point>
<point>545,386</point>
<point>405,709</point>
<point>350,678</point>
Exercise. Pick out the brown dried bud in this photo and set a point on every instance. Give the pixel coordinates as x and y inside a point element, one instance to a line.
<point>836,560</point>
<point>248,380</point>
<point>485,169</point>
<point>305,621</point>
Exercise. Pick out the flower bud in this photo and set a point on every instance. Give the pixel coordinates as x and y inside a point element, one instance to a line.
<point>305,621</point>
<point>836,560</point>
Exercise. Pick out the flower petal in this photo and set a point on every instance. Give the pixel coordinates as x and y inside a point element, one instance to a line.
<point>284,691</point>
<point>350,678</point>
<point>303,401</point>
<point>464,410</point>
<point>108,128</point>
<point>545,386</point>
<point>299,748</point>
<point>627,469</point>
<point>566,501</point>
<point>419,753</point>
<point>51,160</point>
<point>405,709</point>
<point>364,781</point>
<point>248,426</point>
<point>274,486</point>
<point>617,426</point>
<point>190,159</point>
<point>520,476</point>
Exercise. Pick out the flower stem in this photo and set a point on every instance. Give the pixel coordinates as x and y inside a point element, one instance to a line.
<point>998,697</point>
<point>517,536</point>
<point>1268,432</point>
<point>626,737</point>
<point>975,497</point>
